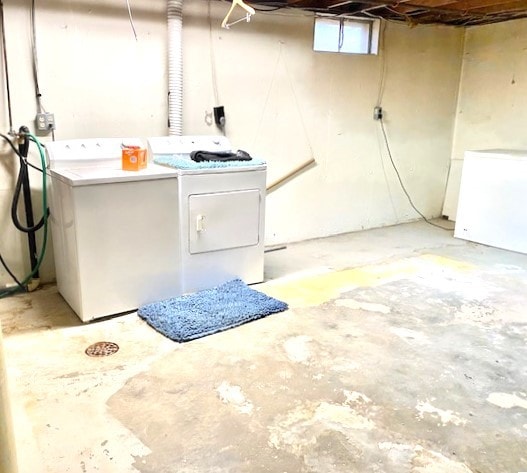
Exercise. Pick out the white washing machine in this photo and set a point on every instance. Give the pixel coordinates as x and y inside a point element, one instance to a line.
<point>126,238</point>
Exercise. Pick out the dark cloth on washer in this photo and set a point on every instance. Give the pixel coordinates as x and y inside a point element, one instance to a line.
<point>240,155</point>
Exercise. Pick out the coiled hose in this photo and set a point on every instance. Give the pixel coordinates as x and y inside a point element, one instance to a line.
<point>43,223</point>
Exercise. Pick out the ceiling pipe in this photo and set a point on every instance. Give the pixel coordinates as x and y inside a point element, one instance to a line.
<point>175,67</point>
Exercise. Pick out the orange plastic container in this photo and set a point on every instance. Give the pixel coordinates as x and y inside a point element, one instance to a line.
<point>133,158</point>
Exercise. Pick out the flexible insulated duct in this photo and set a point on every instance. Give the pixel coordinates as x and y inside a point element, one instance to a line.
<point>175,67</point>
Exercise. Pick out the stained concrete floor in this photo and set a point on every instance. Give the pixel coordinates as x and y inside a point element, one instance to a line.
<point>403,351</point>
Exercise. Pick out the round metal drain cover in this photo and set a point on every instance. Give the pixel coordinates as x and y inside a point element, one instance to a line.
<point>102,349</point>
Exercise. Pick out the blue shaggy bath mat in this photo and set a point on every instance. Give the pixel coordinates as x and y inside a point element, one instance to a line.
<point>206,312</point>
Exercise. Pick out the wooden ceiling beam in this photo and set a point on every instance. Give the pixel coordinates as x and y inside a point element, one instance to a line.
<point>463,5</point>
<point>469,20</point>
<point>416,5</point>
<point>472,4</point>
<point>434,3</point>
<point>475,4</point>
<point>452,5</point>
<point>514,6</point>
<point>459,12</point>
<point>291,2</point>
<point>309,4</point>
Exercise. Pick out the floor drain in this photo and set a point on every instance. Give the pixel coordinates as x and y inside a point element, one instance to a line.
<point>102,349</point>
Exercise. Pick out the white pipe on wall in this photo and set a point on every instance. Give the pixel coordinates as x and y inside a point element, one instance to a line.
<point>175,67</point>
<point>7,441</point>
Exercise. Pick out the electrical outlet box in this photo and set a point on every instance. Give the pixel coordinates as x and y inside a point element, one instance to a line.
<point>44,123</point>
<point>377,113</point>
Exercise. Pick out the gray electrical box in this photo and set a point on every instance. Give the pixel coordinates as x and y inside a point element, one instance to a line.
<point>44,123</point>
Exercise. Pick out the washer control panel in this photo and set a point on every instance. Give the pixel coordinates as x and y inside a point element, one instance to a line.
<point>87,152</point>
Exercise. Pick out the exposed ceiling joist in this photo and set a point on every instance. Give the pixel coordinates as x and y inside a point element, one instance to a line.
<point>449,12</point>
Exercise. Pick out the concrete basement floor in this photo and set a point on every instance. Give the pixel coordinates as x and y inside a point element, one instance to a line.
<point>404,351</point>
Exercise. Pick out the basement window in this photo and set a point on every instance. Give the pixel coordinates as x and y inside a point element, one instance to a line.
<point>346,35</point>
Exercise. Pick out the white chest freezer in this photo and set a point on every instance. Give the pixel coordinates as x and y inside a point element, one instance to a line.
<point>492,206</point>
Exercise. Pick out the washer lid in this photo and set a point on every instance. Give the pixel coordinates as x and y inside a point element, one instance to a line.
<point>84,176</point>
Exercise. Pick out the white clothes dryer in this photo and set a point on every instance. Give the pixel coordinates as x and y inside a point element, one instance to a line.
<point>221,214</point>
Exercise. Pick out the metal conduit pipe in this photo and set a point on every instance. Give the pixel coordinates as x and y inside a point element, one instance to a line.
<point>175,67</point>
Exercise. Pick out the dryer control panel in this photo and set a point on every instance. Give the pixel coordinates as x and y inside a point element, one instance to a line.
<point>184,145</point>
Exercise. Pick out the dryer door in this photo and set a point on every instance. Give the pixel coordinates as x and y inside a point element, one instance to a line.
<point>224,220</point>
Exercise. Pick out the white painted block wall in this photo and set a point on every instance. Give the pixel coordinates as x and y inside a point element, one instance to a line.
<point>283,103</point>
<point>492,106</point>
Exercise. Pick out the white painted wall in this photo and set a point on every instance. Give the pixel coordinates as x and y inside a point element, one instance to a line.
<point>283,103</point>
<point>94,76</point>
<point>286,104</point>
<point>492,106</point>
